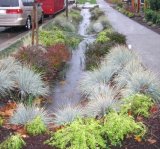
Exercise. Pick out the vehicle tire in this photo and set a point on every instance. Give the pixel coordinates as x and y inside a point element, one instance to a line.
<point>28,25</point>
<point>42,19</point>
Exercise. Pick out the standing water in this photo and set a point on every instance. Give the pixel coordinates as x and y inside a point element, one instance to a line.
<point>68,92</point>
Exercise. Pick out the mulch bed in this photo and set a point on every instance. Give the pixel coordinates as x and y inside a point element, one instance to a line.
<point>37,142</point>
<point>152,139</point>
<point>4,133</point>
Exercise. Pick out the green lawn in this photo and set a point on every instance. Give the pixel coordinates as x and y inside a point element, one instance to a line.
<point>84,1</point>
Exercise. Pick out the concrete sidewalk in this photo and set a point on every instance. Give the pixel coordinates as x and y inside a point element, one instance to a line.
<point>144,41</point>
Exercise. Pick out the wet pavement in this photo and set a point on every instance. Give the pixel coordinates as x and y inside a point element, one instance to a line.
<point>9,33</point>
<point>144,41</point>
<point>68,92</point>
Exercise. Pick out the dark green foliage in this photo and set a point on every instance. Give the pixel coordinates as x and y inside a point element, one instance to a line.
<point>117,38</point>
<point>13,142</point>
<point>1,121</point>
<point>153,16</point>
<point>81,134</point>
<point>118,126</point>
<point>105,40</point>
<point>95,53</point>
<point>138,104</point>
<point>36,127</point>
<point>96,13</point>
<point>154,4</point>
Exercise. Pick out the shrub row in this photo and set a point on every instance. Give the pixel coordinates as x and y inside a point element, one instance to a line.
<point>152,16</point>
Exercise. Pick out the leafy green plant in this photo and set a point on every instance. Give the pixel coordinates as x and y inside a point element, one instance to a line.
<point>96,13</point>
<point>148,14</point>
<point>117,38</point>
<point>1,121</point>
<point>13,142</point>
<point>24,114</point>
<point>138,105</point>
<point>80,134</point>
<point>154,4</point>
<point>95,53</point>
<point>49,38</point>
<point>36,126</point>
<point>104,42</point>
<point>102,37</point>
<point>118,126</point>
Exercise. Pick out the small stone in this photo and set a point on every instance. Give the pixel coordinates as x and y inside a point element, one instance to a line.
<point>98,27</point>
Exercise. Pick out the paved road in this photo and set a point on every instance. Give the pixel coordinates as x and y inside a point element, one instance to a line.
<point>8,33</point>
<point>144,41</point>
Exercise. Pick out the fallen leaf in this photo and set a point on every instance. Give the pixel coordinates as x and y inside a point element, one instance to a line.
<point>62,82</point>
<point>152,141</point>
<point>154,109</point>
<point>129,113</point>
<point>138,138</point>
<point>139,118</point>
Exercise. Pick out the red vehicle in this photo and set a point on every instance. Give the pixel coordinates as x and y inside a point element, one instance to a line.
<point>51,7</point>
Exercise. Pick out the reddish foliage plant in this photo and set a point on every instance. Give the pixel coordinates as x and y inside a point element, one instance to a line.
<point>48,61</point>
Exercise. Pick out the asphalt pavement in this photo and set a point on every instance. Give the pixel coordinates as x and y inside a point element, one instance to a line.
<point>144,41</point>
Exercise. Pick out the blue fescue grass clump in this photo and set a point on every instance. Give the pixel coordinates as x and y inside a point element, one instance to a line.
<point>26,113</point>
<point>124,76</point>
<point>144,82</point>
<point>93,78</point>
<point>119,56</point>
<point>102,100</point>
<point>67,114</point>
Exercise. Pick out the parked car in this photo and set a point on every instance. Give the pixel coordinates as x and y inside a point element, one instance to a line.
<point>51,7</point>
<point>18,13</point>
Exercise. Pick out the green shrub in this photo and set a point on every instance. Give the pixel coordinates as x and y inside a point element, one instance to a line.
<point>148,14</point>
<point>95,53</point>
<point>81,134</point>
<point>118,126</point>
<point>103,36</point>
<point>154,4</point>
<point>138,104</point>
<point>49,38</point>
<point>158,19</point>
<point>130,14</point>
<point>75,16</point>
<point>36,126</point>
<point>13,142</point>
<point>1,121</point>
<point>96,13</point>
<point>104,42</point>
<point>117,38</point>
